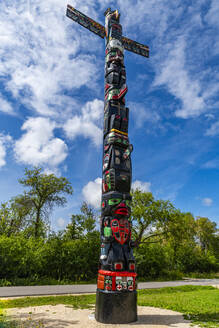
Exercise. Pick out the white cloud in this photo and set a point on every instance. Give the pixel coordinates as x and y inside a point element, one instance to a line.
<point>175,76</point>
<point>88,123</point>
<point>5,141</point>
<point>42,61</point>
<point>212,164</point>
<point>210,116</point>
<point>5,106</point>
<point>143,114</point>
<point>213,130</point>
<point>179,67</point>
<point>61,223</point>
<point>143,186</point>
<point>38,146</point>
<point>52,170</point>
<point>92,192</point>
<point>148,16</point>
<point>207,201</point>
<point>213,13</point>
<point>2,154</point>
<point>39,55</point>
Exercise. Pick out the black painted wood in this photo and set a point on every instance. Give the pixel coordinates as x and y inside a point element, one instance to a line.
<point>116,307</point>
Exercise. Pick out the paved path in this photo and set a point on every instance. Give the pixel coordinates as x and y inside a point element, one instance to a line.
<point>79,289</point>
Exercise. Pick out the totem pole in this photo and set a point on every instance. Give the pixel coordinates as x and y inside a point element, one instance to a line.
<point>116,300</point>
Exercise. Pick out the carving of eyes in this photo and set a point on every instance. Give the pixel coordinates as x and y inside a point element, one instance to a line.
<point>114,201</point>
<point>114,223</point>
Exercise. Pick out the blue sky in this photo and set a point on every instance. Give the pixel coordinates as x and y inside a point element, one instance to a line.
<point>51,99</point>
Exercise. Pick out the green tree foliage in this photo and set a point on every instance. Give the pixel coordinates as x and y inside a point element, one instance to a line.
<point>71,259</point>
<point>215,246</point>
<point>158,222</point>
<point>147,215</point>
<point>19,256</point>
<point>81,224</point>
<point>180,234</point>
<point>206,231</point>
<point>169,242</point>
<point>153,260</point>
<point>14,216</point>
<point>45,192</point>
<point>56,258</point>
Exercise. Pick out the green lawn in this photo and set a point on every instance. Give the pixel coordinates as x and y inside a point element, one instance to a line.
<point>199,304</point>
<point>77,302</point>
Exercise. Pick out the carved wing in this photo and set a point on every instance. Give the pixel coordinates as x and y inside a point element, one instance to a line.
<point>85,21</point>
<point>135,47</point>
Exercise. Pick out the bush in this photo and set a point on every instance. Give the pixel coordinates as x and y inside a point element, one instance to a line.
<point>152,261</point>
<point>35,261</point>
<point>57,259</point>
<point>196,260</point>
<point>18,256</point>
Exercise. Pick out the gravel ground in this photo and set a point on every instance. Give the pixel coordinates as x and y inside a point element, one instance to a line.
<point>61,316</point>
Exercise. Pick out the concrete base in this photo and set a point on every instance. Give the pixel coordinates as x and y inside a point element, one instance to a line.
<point>116,307</point>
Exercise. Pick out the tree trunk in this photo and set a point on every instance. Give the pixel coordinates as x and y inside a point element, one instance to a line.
<point>37,224</point>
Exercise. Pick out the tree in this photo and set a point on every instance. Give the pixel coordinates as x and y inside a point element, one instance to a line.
<point>206,233</point>
<point>148,215</point>
<point>5,219</point>
<point>14,215</point>
<point>81,223</point>
<point>180,234</point>
<point>45,192</point>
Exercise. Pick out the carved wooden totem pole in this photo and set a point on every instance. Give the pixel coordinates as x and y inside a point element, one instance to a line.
<point>116,300</point>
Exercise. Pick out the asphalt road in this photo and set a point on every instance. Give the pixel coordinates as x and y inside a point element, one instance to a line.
<point>80,289</point>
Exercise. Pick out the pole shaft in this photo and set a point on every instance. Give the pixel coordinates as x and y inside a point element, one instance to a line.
<point>116,276</point>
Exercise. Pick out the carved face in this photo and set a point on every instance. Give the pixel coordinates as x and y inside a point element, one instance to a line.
<point>117,158</point>
<point>114,180</point>
<point>114,55</point>
<point>114,205</point>
<point>117,139</point>
<point>121,207</point>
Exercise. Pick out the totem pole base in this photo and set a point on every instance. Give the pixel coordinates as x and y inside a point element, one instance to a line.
<point>116,307</point>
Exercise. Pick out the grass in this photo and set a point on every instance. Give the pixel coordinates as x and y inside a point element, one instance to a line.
<point>204,275</point>
<point>41,282</point>
<point>77,302</point>
<point>198,304</point>
<point>3,323</point>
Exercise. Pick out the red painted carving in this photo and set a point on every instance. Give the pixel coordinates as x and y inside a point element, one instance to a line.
<point>120,229</point>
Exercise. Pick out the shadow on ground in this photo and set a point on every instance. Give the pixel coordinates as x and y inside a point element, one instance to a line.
<point>39,320</point>
<point>157,319</point>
